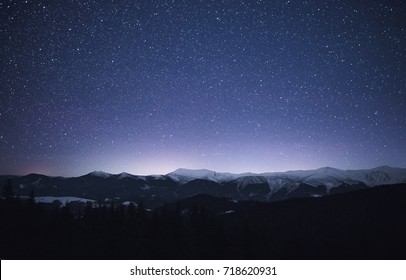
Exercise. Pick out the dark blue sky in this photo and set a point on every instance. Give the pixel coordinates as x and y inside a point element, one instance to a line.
<point>149,86</point>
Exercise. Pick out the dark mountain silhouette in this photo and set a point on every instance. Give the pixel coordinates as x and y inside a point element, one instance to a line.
<point>154,191</point>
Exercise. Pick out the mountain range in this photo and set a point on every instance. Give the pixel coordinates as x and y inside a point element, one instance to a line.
<point>156,190</point>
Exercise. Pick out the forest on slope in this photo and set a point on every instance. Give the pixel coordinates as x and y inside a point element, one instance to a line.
<point>365,224</point>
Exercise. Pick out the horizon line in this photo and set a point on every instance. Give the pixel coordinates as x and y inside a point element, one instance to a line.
<point>201,169</point>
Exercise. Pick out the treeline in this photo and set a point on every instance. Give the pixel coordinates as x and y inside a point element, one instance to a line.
<point>40,231</point>
<point>368,224</point>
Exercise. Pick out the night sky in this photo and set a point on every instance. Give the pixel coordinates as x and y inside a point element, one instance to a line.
<point>146,87</point>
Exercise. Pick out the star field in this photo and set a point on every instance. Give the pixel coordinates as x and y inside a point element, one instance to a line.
<point>146,87</point>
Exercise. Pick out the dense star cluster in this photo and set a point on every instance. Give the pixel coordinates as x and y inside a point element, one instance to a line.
<point>149,86</point>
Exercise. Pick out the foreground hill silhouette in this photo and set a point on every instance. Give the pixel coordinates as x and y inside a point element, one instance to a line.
<point>365,224</point>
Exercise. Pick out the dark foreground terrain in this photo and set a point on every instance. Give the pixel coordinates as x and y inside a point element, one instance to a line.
<point>364,224</point>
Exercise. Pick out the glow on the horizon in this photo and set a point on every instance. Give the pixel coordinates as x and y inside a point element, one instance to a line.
<point>254,92</point>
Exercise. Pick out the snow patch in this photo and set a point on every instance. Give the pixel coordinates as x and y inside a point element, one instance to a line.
<point>100,174</point>
<point>63,199</point>
<point>124,175</point>
<point>185,175</point>
<point>127,203</point>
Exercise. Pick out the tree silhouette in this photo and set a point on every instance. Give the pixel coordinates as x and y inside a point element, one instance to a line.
<point>8,193</point>
<point>31,198</point>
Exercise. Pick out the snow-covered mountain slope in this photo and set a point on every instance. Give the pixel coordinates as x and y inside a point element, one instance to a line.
<point>125,175</point>
<point>327,177</point>
<point>63,199</point>
<point>382,175</point>
<point>100,174</point>
<point>183,183</point>
<point>331,177</point>
<point>185,175</point>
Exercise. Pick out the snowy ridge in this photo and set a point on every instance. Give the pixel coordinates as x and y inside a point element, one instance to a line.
<point>63,199</point>
<point>326,176</point>
<point>124,175</point>
<point>185,175</point>
<point>100,174</point>
<point>184,183</point>
<point>332,177</point>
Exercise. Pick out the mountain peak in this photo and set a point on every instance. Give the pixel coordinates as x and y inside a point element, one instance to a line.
<point>184,175</point>
<point>100,174</point>
<point>188,172</point>
<point>328,171</point>
<point>123,175</point>
<point>384,167</point>
<point>327,168</point>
